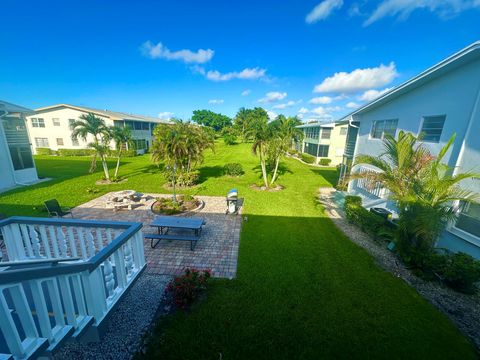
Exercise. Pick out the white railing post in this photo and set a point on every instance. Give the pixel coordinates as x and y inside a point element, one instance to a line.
<point>9,329</point>
<point>95,293</point>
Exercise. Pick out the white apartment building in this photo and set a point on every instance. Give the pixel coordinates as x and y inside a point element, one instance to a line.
<point>50,127</point>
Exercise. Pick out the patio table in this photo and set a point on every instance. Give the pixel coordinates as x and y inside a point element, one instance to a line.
<point>164,223</point>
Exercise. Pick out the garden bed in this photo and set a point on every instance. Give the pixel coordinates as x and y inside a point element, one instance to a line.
<point>264,188</point>
<point>185,204</point>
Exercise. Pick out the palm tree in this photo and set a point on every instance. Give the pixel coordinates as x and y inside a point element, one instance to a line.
<point>284,131</point>
<point>426,191</point>
<point>260,132</point>
<point>241,122</point>
<point>89,124</point>
<point>170,145</point>
<point>123,140</point>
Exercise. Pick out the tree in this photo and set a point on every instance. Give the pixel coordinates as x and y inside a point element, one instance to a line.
<point>425,190</point>
<point>259,131</point>
<point>211,119</point>
<point>283,131</point>
<point>89,124</point>
<point>241,122</point>
<point>123,140</point>
<point>180,146</point>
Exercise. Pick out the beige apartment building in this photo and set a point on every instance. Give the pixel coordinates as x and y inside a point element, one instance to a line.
<point>50,127</point>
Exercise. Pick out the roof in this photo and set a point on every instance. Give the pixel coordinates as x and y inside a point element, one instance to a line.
<point>322,124</point>
<point>114,115</point>
<point>12,108</point>
<point>464,56</point>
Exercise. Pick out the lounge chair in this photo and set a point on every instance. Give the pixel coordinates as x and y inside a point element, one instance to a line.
<point>55,210</point>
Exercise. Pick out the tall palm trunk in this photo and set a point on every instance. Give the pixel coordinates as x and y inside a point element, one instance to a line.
<point>118,162</point>
<point>275,172</point>
<point>263,165</point>
<point>93,165</point>
<point>105,166</point>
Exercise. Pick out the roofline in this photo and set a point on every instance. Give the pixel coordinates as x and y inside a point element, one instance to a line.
<point>424,74</point>
<point>104,114</point>
<point>19,109</point>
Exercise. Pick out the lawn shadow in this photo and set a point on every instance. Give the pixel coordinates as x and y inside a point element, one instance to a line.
<point>206,172</point>
<point>329,174</point>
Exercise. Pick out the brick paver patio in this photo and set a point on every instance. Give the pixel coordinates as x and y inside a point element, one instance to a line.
<point>216,250</point>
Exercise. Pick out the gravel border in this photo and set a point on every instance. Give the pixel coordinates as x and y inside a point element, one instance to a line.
<point>132,318</point>
<point>462,309</point>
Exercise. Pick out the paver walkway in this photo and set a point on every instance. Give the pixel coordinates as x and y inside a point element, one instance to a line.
<point>217,249</point>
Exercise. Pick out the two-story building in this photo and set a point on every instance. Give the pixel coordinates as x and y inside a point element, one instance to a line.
<point>50,127</point>
<point>441,101</point>
<point>324,140</point>
<point>16,162</point>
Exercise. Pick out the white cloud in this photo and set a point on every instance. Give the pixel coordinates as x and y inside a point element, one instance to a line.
<point>284,105</point>
<point>303,110</point>
<point>246,92</point>
<point>321,100</point>
<point>372,94</point>
<point>216,101</point>
<point>247,73</point>
<point>272,115</point>
<point>159,51</point>
<point>273,96</point>
<point>358,80</point>
<point>165,115</point>
<point>323,10</point>
<point>401,9</point>
<point>352,105</point>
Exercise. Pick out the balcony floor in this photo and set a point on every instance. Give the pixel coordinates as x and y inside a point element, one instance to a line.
<point>217,249</point>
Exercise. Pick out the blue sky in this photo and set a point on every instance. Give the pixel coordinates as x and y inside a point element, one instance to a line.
<point>161,58</point>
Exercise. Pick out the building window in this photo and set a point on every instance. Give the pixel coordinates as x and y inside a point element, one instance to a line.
<point>21,157</point>
<point>469,219</point>
<point>75,142</point>
<point>41,142</point>
<point>381,128</point>
<point>326,133</point>
<point>432,128</point>
<point>59,141</point>
<point>56,121</point>
<point>312,132</point>
<point>323,150</point>
<point>140,144</point>
<point>38,122</point>
<point>343,131</point>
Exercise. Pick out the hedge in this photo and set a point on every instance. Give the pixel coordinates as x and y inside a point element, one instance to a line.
<point>44,151</point>
<point>371,223</point>
<point>309,159</point>
<point>325,162</point>
<point>75,152</point>
<point>85,152</point>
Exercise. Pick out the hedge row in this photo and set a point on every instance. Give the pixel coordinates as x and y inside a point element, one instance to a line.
<point>82,152</point>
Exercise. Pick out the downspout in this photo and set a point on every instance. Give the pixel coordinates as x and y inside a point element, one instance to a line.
<point>5,113</point>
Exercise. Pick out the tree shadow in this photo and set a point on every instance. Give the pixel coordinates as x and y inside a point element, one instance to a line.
<point>329,174</point>
<point>206,172</point>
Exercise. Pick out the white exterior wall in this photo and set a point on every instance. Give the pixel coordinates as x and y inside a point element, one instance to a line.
<point>63,131</point>
<point>456,95</point>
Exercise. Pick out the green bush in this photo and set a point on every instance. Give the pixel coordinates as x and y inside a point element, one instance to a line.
<point>292,152</point>
<point>233,169</point>
<point>125,153</point>
<point>460,271</point>
<point>44,151</point>
<point>229,135</point>
<point>187,179</point>
<point>325,162</point>
<point>368,222</point>
<point>75,152</point>
<point>309,159</point>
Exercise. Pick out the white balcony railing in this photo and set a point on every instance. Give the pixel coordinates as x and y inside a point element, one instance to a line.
<point>59,277</point>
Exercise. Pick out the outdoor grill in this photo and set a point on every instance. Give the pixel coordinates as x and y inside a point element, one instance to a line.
<point>232,201</point>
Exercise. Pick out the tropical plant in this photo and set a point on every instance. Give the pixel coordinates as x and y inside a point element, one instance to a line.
<point>229,135</point>
<point>425,190</point>
<point>123,141</point>
<point>260,132</point>
<point>89,124</point>
<point>180,146</point>
<point>241,122</point>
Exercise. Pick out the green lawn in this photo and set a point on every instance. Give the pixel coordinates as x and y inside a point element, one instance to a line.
<point>303,290</point>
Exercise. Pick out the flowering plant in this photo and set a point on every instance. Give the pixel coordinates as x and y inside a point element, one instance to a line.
<point>185,288</point>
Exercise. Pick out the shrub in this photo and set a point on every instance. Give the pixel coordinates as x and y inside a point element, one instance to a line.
<point>187,179</point>
<point>75,152</point>
<point>44,151</point>
<point>125,153</point>
<point>325,162</point>
<point>352,200</point>
<point>460,271</point>
<point>186,288</point>
<point>368,222</point>
<point>309,159</point>
<point>233,169</point>
<point>292,152</point>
